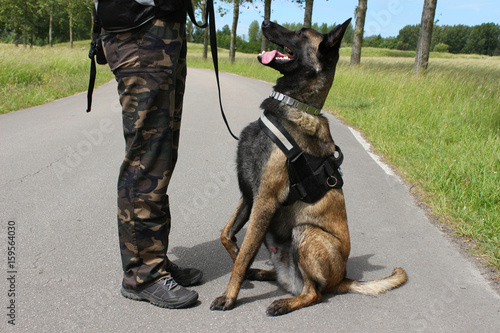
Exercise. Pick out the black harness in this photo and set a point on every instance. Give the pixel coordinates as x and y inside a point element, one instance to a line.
<point>311,177</point>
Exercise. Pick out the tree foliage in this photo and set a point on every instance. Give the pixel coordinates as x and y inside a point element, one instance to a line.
<point>27,21</point>
<point>480,39</point>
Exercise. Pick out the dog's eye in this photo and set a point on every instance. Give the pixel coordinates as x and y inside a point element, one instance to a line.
<point>299,33</point>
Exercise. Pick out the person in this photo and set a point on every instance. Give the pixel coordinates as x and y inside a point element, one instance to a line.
<point>149,63</point>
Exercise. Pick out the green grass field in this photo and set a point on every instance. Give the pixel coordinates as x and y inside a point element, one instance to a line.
<point>39,75</point>
<point>441,132</point>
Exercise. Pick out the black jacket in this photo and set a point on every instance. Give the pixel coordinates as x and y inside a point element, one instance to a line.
<point>123,15</point>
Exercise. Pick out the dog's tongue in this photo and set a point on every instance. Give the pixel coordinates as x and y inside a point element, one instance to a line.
<point>267,57</point>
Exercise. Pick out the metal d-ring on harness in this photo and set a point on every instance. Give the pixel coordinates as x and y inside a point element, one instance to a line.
<point>311,177</point>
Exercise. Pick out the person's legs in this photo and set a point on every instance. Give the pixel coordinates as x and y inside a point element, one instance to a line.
<point>149,65</point>
<point>143,211</point>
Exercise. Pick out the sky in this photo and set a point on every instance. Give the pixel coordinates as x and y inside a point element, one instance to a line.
<point>384,17</point>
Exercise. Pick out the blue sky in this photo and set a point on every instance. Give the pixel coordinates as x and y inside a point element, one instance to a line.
<point>384,17</point>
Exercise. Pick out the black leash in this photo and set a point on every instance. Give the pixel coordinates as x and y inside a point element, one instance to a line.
<point>209,21</point>
<point>93,70</point>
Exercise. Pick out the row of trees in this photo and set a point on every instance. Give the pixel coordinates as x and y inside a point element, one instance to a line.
<point>252,43</point>
<point>423,41</point>
<point>479,39</point>
<point>42,22</point>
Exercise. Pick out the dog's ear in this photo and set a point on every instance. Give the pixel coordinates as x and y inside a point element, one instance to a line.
<point>334,37</point>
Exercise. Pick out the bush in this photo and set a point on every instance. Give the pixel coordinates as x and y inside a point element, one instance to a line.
<point>441,47</point>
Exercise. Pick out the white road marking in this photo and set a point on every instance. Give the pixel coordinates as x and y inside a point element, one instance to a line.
<point>368,148</point>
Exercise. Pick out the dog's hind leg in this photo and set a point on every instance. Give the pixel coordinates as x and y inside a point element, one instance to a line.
<point>233,226</point>
<point>320,265</point>
<point>309,296</point>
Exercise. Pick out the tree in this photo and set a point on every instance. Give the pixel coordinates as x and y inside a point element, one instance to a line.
<point>19,16</point>
<point>456,37</point>
<point>205,31</point>
<point>308,11</point>
<point>358,32</point>
<point>236,15</point>
<point>40,22</point>
<point>424,37</point>
<point>408,37</point>
<point>267,16</point>
<point>254,31</point>
<point>49,7</point>
<point>75,8</point>
<point>224,37</point>
<point>484,39</point>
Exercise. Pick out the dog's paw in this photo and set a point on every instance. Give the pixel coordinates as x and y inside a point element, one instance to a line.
<point>222,303</point>
<point>278,308</point>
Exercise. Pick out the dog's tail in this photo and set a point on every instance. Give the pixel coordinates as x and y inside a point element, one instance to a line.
<point>374,287</point>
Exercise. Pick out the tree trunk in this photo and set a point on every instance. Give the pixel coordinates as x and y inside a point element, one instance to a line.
<point>205,35</point>
<point>190,32</point>
<point>232,45</point>
<point>25,36</point>
<point>267,16</point>
<point>424,37</point>
<point>91,34</point>
<point>308,12</point>
<point>50,28</point>
<point>358,32</point>
<point>25,27</point>
<point>70,30</point>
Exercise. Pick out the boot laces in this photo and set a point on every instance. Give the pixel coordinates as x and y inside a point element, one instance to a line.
<point>170,283</point>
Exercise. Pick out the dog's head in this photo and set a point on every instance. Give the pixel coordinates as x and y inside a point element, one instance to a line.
<point>307,48</point>
<point>310,54</point>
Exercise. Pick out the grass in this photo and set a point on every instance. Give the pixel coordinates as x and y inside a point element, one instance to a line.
<point>441,131</point>
<point>40,75</point>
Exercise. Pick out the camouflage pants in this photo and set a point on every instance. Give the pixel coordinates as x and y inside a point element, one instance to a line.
<point>149,64</point>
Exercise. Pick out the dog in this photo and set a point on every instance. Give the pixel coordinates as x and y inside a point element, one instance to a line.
<point>308,241</point>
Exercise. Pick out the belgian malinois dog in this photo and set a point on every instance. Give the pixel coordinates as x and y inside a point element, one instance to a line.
<point>308,241</point>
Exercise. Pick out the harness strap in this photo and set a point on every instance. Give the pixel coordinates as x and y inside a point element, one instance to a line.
<point>279,135</point>
<point>311,177</point>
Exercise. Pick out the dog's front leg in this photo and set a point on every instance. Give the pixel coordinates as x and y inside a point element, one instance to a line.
<point>259,222</point>
<point>272,190</point>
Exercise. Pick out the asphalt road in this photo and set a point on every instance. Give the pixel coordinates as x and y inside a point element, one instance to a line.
<point>58,174</point>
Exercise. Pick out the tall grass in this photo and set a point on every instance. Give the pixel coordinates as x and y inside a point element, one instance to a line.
<point>39,75</point>
<point>441,131</point>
